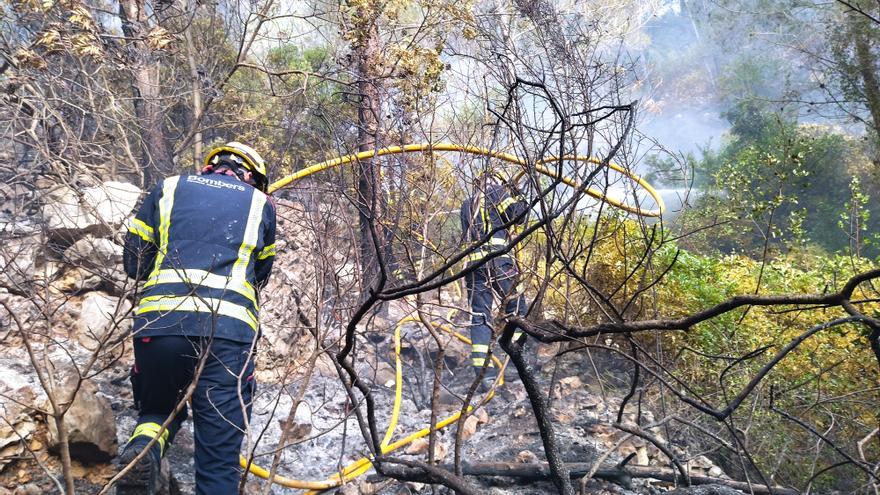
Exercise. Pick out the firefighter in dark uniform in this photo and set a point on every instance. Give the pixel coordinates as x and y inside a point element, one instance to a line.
<point>204,245</point>
<point>480,215</point>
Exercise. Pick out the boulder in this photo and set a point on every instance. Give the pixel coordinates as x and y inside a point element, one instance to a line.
<point>90,425</point>
<point>112,202</point>
<point>99,315</point>
<point>75,279</point>
<point>18,261</point>
<point>62,213</point>
<point>95,258</point>
<point>14,431</point>
<point>16,199</point>
<point>95,252</point>
<point>98,210</point>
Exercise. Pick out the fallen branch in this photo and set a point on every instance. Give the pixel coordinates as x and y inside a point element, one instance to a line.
<point>623,477</point>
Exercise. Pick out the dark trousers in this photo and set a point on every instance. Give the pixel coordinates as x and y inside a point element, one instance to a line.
<point>497,277</point>
<point>164,368</point>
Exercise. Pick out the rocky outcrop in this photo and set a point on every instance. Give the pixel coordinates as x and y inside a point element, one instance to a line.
<point>98,210</point>
<point>15,431</point>
<point>94,252</point>
<point>18,262</point>
<point>90,424</point>
<point>101,314</point>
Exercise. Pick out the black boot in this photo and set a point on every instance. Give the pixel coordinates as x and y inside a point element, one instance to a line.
<point>143,477</point>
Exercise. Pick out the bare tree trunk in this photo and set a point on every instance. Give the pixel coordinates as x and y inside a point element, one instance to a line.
<point>867,63</point>
<point>157,156</point>
<point>196,90</point>
<point>370,198</point>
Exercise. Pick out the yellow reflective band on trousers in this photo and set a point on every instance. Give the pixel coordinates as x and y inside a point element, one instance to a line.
<point>150,430</point>
<point>479,254</point>
<point>197,305</point>
<point>201,278</point>
<point>251,234</point>
<point>140,229</point>
<point>481,362</point>
<point>165,206</point>
<point>480,348</point>
<point>267,252</point>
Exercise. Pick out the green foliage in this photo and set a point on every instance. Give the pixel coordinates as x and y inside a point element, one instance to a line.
<point>268,108</point>
<point>775,183</point>
<point>833,363</point>
<point>833,374</point>
<point>748,76</point>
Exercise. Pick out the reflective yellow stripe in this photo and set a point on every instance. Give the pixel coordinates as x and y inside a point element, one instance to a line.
<point>487,225</point>
<point>478,255</point>
<point>165,205</point>
<point>249,240</point>
<point>517,334</point>
<point>475,256</point>
<point>140,229</point>
<point>150,430</point>
<point>480,348</point>
<point>481,362</point>
<point>497,241</point>
<point>505,203</point>
<point>198,305</point>
<point>267,252</point>
<point>192,277</point>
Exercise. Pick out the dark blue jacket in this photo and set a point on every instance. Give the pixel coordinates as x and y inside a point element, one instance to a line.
<point>481,213</point>
<point>204,244</point>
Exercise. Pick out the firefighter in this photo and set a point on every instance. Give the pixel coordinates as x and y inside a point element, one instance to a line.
<point>482,214</point>
<point>204,246</point>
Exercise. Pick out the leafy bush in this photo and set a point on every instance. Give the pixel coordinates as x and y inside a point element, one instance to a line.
<point>829,382</point>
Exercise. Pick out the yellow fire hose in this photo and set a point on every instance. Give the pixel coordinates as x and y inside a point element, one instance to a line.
<point>364,464</point>
<point>473,150</point>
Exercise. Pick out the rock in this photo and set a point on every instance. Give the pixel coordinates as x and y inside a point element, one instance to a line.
<point>470,427</point>
<point>47,270</point>
<point>18,426</point>
<point>95,252</point>
<point>76,279</point>
<point>18,259</point>
<point>112,202</point>
<point>62,213</point>
<point>705,490</point>
<point>90,425</point>
<point>99,210</point>
<point>349,489</point>
<point>302,422</point>
<point>99,315</point>
<point>482,415</point>
<point>567,386</point>
<point>28,489</point>
<point>527,457</point>
<point>420,446</point>
<point>13,449</point>
<point>385,375</point>
<point>703,466</point>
